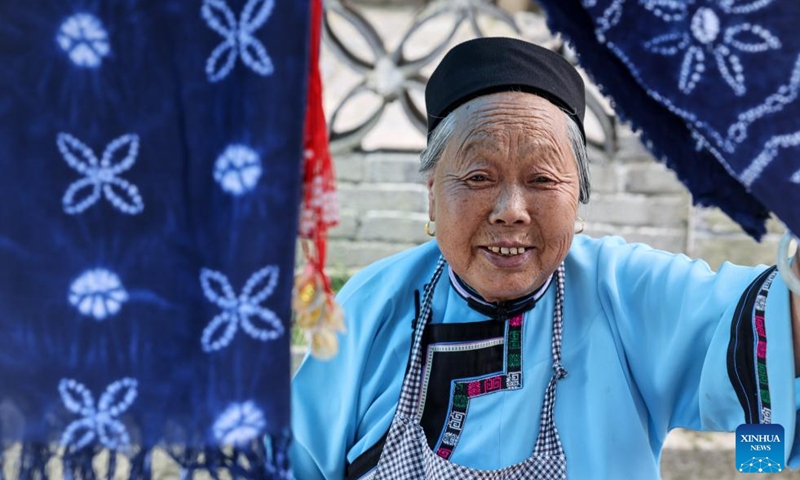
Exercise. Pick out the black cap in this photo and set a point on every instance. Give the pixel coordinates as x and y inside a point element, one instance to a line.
<point>489,65</point>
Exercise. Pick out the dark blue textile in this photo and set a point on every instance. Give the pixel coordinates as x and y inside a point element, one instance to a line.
<point>713,86</point>
<point>150,156</point>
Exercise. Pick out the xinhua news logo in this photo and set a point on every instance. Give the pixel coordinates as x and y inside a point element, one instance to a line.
<point>759,448</point>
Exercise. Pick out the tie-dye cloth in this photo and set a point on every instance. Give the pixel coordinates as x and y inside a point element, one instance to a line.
<point>712,84</point>
<point>150,155</point>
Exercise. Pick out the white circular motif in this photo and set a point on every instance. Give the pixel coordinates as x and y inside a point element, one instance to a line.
<point>238,169</point>
<point>705,25</point>
<point>83,37</point>
<point>239,424</point>
<point>97,293</point>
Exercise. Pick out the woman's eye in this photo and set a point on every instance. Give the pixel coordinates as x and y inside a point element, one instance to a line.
<point>542,180</point>
<point>478,178</point>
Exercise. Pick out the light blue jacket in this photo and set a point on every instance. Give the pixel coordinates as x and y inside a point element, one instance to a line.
<point>646,340</point>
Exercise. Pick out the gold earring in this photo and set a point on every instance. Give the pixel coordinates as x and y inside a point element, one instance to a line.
<point>583,224</point>
<point>428,230</point>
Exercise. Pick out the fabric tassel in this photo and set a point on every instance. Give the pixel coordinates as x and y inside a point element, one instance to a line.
<point>140,465</point>
<point>256,460</point>
<point>316,311</point>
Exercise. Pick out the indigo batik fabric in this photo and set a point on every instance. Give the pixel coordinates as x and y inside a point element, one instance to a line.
<point>150,155</point>
<point>712,84</point>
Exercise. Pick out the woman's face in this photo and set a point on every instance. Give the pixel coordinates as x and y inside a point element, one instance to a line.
<point>506,181</point>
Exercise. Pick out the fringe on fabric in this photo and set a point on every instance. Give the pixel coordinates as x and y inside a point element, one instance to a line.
<point>316,311</point>
<point>267,460</point>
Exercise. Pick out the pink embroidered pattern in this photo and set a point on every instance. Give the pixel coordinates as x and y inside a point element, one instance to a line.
<point>760,326</point>
<point>761,349</point>
<point>474,389</point>
<point>492,384</point>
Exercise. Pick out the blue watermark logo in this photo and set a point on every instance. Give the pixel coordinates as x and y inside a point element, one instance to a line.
<point>759,448</point>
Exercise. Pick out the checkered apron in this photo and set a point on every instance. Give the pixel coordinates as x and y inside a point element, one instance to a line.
<point>406,454</point>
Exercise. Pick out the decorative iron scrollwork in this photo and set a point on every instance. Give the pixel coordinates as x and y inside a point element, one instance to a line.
<point>392,76</point>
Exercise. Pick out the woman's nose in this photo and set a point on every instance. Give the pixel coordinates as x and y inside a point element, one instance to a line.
<point>511,207</point>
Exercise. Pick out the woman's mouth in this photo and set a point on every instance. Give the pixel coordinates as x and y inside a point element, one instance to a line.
<point>506,251</point>
<point>507,257</point>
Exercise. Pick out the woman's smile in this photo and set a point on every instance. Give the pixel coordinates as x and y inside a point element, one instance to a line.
<point>507,258</point>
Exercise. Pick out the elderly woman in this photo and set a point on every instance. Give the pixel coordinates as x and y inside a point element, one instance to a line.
<point>455,349</point>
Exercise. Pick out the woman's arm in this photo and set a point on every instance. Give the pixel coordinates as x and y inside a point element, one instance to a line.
<point>795,307</point>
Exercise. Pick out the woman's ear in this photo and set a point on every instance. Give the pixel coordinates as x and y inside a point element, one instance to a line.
<point>431,200</point>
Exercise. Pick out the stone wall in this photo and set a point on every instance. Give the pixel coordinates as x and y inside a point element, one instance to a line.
<point>383,201</point>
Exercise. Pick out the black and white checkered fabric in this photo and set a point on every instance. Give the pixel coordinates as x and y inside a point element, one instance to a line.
<point>549,444</point>
<point>406,454</point>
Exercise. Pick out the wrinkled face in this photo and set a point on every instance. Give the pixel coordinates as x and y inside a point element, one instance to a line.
<point>507,182</point>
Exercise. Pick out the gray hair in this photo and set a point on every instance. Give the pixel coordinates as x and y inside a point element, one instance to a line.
<point>443,132</point>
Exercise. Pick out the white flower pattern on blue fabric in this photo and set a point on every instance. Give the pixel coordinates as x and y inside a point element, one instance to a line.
<point>101,422</point>
<point>795,178</point>
<point>237,169</point>
<point>707,35</point>
<point>84,39</point>
<point>97,293</point>
<point>242,311</point>
<point>239,424</point>
<point>101,177</point>
<point>610,17</point>
<point>769,153</point>
<point>785,94</point>
<point>239,38</point>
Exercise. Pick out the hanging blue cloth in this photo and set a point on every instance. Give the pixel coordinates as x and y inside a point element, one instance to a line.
<point>150,156</point>
<point>713,86</point>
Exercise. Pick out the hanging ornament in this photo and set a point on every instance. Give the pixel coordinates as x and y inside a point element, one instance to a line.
<point>316,310</point>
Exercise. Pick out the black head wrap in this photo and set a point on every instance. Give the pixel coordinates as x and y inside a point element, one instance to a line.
<point>489,65</point>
